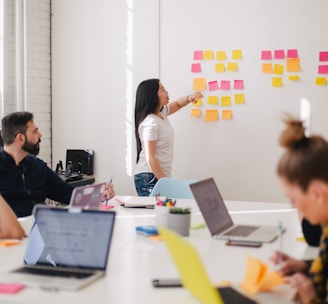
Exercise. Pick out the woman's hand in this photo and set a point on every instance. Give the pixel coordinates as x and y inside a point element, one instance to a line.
<point>195,96</point>
<point>287,265</point>
<point>109,192</point>
<point>303,285</point>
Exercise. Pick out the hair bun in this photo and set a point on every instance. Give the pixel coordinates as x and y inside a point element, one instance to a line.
<point>294,133</point>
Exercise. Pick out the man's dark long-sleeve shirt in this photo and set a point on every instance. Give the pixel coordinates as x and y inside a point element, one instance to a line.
<point>30,183</point>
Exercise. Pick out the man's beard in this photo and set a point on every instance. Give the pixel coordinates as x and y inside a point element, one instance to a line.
<point>31,148</point>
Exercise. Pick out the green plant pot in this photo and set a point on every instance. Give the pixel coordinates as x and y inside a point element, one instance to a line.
<point>179,223</point>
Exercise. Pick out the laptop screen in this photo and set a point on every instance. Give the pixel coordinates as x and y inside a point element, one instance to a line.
<point>212,206</point>
<point>70,238</point>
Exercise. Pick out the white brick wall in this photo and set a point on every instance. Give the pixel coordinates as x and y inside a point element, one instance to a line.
<point>37,67</point>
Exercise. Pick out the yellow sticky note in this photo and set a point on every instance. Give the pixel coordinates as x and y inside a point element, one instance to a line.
<point>320,81</point>
<point>195,113</point>
<point>219,67</point>
<point>267,67</point>
<point>225,101</point>
<point>293,65</point>
<point>211,115</point>
<point>198,102</point>
<point>239,99</point>
<point>213,100</point>
<point>278,69</point>
<point>199,84</point>
<point>236,54</point>
<point>293,77</point>
<point>221,55</point>
<point>276,81</point>
<point>232,66</point>
<point>208,55</point>
<point>258,278</point>
<point>226,114</point>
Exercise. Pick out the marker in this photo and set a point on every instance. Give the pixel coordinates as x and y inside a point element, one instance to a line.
<point>107,197</point>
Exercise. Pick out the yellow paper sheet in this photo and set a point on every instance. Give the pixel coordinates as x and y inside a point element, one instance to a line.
<point>278,69</point>
<point>225,101</point>
<point>219,67</point>
<point>195,113</point>
<point>276,81</point>
<point>320,81</point>
<point>211,115</point>
<point>198,102</point>
<point>237,54</point>
<point>239,99</point>
<point>221,55</point>
<point>213,100</point>
<point>293,77</point>
<point>199,84</point>
<point>232,66</point>
<point>208,55</point>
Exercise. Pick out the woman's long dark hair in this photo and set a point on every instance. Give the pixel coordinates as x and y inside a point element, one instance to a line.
<point>146,103</point>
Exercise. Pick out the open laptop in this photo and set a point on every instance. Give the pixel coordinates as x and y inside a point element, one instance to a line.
<point>193,275</point>
<point>219,221</point>
<point>67,249</point>
<point>88,197</point>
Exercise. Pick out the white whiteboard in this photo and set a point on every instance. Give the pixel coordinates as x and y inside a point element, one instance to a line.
<point>241,154</point>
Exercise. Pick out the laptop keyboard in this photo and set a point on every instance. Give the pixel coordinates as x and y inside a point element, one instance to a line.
<point>54,272</point>
<point>232,296</point>
<point>241,230</point>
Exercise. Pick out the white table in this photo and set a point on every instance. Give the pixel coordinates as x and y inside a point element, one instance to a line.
<point>135,260</point>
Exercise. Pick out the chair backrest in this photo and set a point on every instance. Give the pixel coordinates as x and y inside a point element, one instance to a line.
<point>173,188</point>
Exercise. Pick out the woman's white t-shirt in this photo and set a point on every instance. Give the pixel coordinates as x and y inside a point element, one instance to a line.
<point>153,128</point>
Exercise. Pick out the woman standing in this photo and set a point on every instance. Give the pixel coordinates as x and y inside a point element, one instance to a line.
<point>154,133</point>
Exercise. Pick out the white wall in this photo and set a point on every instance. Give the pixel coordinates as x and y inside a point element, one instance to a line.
<point>95,76</point>
<point>100,51</point>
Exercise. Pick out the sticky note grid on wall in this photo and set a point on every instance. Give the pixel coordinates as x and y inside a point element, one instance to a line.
<point>221,92</point>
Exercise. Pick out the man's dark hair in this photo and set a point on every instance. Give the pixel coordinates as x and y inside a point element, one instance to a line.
<point>14,123</point>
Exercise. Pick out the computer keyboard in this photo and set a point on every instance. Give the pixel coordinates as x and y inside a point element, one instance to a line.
<point>241,230</point>
<point>54,272</point>
<point>232,296</point>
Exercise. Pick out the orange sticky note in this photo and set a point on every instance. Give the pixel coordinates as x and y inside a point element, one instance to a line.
<point>293,65</point>
<point>258,277</point>
<point>199,84</point>
<point>226,114</point>
<point>7,243</point>
<point>195,113</point>
<point>211,115</point>
<point>267,67</point>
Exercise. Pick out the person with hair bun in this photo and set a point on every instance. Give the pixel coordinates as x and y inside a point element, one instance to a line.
<point>303,175</point>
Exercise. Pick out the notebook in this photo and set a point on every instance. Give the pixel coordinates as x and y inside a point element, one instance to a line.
<point>219,221</point>
<point>88,197</point>
<point>195,278</point>
<point>139,202</point>
<point>67,249</point>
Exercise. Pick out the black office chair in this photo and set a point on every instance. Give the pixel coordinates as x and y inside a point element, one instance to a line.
<point>1,141</point>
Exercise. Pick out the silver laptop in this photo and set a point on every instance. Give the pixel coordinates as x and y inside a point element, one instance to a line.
<point>219,221</point>
<point>67,249</point>
<point>88,197</point>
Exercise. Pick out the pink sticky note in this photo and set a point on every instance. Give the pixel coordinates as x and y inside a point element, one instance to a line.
<point>213,85</point>
<point>198,55</point>
<point>266,55</point>
<point>323,69</point>
<point>11,287</point>
<point>196,68</point>
<point>292,53</point>
<point>323,56</point>
<point>238,84</point>
<point>279,54</point>
<point>225,85</point>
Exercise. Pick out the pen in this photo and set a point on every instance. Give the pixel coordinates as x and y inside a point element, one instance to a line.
<point>107,197</point>
<point>280,229</point>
